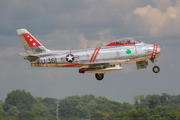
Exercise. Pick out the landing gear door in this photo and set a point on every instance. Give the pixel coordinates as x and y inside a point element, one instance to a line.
<point>141,64</point>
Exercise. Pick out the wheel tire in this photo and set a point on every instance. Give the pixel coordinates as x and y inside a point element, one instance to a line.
<point>156,69</point>
<point>99,76</point>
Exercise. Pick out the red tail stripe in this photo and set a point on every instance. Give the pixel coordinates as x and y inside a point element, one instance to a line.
<point>93,54</point>
<point>96,54</point>
<point>30,40</point>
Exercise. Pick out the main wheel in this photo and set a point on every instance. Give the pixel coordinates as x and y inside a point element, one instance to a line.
<point>99,76</point>
<point>156,69</point>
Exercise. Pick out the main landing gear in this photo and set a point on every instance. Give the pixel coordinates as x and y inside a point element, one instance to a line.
<point>155,69</point>
<point>99,76</point>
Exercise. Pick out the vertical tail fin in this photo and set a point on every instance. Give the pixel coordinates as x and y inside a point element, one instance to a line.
<point>30,43</point>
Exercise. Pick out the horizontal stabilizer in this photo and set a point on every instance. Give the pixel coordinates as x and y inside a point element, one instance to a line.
<point>22,54</point>
<point>31,58</point>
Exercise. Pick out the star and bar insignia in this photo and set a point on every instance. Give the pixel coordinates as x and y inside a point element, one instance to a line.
<point>70,58</point>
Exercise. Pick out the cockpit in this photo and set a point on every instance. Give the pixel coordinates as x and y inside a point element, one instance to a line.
<point>124,42</point>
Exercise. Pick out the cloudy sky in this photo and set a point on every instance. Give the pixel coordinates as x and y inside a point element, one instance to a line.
<point>79,24</point>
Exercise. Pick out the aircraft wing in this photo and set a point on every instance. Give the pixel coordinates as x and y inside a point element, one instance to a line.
<point>102,66</point>
<point>110,62</point>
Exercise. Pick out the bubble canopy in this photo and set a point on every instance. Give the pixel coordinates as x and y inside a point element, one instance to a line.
<point>128,41</point>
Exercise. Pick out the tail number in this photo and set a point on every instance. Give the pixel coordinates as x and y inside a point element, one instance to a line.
<point>40,49</point>
<point>48,61</point>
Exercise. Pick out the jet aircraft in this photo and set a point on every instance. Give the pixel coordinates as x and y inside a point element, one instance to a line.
<point>99,60</point>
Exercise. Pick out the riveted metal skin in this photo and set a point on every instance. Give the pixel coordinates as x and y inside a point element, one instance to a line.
<point>103,59</point>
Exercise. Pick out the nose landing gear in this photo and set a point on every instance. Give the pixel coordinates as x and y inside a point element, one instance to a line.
<point>155,69</point>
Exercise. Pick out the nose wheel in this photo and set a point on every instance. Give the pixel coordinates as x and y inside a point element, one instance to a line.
<point>155,69</point>
<point>99,76</point>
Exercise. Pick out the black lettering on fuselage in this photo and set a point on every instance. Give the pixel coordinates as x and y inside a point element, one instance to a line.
<point>48,61</point>
<point>42,61</point>
<point>38,61</point>
<point>52,60</point>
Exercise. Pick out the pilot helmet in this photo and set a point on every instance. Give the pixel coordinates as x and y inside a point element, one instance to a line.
<point>131,41</point>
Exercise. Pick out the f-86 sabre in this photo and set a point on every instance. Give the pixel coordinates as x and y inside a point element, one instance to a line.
<point>99,60</point>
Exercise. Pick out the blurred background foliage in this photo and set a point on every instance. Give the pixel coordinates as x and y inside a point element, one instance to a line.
<point>21,104</point>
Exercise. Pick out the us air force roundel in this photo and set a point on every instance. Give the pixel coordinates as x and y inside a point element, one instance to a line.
<point>70,58</point>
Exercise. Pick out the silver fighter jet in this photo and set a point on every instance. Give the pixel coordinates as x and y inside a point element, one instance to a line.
<point>99,60</point>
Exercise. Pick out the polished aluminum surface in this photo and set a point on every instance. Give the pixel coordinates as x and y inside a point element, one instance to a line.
<point>94,60</point>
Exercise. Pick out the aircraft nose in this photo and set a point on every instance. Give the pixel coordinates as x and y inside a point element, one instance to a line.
<point>159,49</point>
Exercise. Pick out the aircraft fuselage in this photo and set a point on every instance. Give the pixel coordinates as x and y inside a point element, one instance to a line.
<point>101,55</point>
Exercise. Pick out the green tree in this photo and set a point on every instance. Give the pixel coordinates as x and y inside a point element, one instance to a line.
<point>140,101</point>
<point>20,98</point>
<point>1,110</point>
<point>173,114</point>
<point>133,113</point>
<point>1,103</point>
<point>142,113</point>
<point>51,117</point>
<point>126,107</point>
<point>50,103</point>
<point>40,110</point>
<point>153,100</point>
<point>92,106</point>
<point>98,114</point>
<point>66,106</point>
<point>13,111</point>
<point>26,114</point>
<point>81,112</point>
<point>1,113</point>
<point>155,116</point>
<point>115,107</point>
<point>161,110</point>
<point>136,102</point>
<point>164,98</point>
<point>10,118</point>
<point>121,115</point>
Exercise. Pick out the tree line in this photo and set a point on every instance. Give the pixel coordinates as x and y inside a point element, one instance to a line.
<point>21,104</point>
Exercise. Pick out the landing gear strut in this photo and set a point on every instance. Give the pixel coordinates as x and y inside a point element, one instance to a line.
<point>155,69</point>
<point>99,76</point>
